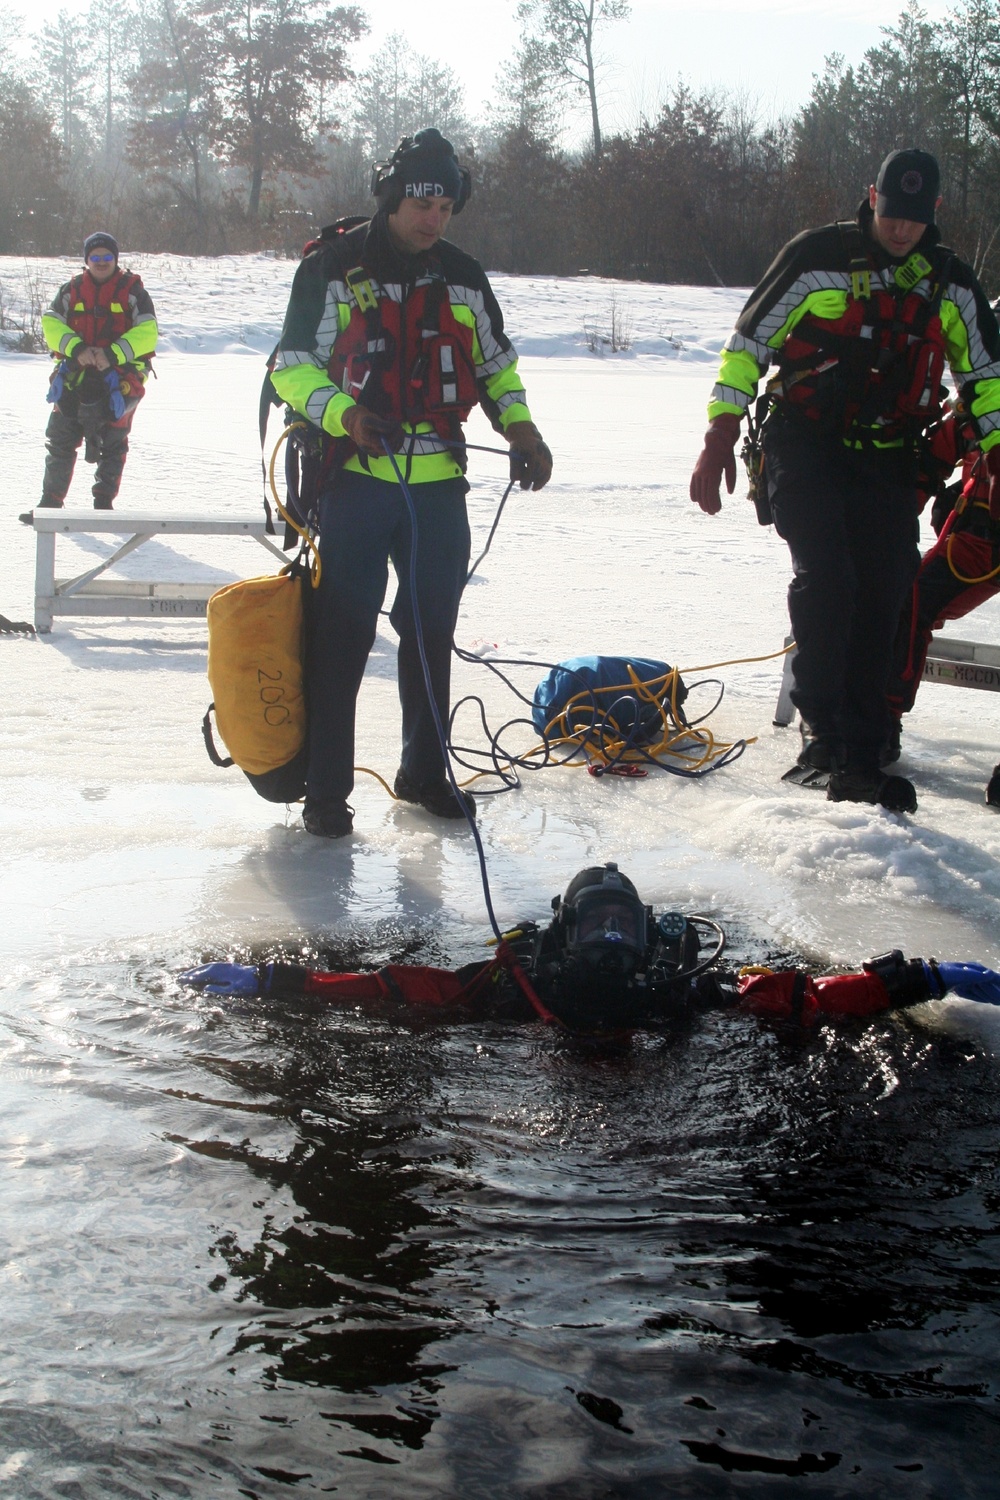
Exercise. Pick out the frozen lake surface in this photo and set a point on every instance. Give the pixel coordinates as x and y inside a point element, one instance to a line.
<point>254,1252</point>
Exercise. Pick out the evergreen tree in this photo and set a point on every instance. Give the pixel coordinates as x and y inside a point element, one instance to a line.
<point>399,92</point>
<point>168,138</point>
<point>269,58</point>
<point>66,65</point>
<point>31,198</point>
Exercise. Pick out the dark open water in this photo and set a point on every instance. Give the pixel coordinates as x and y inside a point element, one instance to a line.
<point>262,1253</point>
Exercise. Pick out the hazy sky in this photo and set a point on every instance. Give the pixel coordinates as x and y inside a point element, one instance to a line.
<point>771,48</point>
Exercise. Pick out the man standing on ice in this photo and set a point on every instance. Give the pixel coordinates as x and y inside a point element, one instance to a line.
<point>859,319</point>
<point>101,327</point>
<point>391,337</point>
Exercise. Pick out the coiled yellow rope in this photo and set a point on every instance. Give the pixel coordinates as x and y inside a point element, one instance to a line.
<point>316,567</point>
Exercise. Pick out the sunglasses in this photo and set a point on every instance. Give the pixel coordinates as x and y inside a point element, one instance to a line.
<point>100,260</point>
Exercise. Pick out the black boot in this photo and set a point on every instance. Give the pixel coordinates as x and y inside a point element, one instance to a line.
<point>45,503</point>
<point>894,793</point>
<point>892,745</point>
<point>437,797</point>
<point>993,789</point>
<point>820,754</point>
<point>328,820</point>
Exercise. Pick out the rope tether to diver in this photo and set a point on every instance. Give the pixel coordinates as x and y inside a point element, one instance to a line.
<point>584,726</point>
<point>503,951</point>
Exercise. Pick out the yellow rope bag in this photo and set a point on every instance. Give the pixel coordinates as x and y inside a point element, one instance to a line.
<point>255,649</point>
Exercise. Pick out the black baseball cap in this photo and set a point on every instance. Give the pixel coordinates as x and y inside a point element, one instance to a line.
<point>908,186</point>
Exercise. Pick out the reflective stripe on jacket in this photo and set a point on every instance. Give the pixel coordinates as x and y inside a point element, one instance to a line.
<point>811,281</point>
<point>320,311</point>
<point>116,315</point>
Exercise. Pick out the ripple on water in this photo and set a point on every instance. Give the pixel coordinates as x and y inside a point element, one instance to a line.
<point>252,1249</point>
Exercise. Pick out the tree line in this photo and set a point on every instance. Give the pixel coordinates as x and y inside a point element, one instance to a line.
<point>215,126</point>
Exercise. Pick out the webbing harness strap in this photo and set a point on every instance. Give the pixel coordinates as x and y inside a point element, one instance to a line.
<point>857,259</point>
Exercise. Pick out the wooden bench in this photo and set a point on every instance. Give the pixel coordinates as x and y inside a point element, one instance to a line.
<point>962,663</point>
<point>89,594</point>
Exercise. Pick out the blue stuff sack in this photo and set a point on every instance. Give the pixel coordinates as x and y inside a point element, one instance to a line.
<point>602,689</point>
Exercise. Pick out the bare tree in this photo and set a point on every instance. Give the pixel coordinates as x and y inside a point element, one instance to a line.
<point>567,30</point>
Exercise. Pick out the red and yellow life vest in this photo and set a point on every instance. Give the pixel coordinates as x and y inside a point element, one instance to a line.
<point>99,311</point>
<point>875,371</point>
<point>410,362</point>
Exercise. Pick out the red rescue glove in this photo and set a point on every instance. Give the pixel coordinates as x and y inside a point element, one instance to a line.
<point>788,995</point>
<point>717,458</point>
<point>530,459</point>
<point>368,431</point>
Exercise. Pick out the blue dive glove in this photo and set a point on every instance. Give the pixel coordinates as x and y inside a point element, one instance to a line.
<point>969,981</point>
<point>223,979</point>
<point>115,398</point>
<point>57,383</point>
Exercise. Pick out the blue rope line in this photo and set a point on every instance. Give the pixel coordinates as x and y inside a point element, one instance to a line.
<point>429,688</point>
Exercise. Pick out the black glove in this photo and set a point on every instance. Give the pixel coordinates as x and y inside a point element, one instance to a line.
<point>942,506</point>
<point>530,459</point>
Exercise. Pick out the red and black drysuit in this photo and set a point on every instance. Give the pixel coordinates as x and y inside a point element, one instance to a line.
<point>117,316</point>
<point>859,358</point>
<point>418,339</point>
<point>960,572</point>
<point>501,985</point>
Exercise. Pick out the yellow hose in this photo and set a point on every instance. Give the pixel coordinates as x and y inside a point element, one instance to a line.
<point>961,577</point>
<point>316,567</point>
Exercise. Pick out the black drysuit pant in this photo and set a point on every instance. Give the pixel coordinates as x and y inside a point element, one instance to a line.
<point>72,422</point>
<point>851,523</point>
<point>364,522</point>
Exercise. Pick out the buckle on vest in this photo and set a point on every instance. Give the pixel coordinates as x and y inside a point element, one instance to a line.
<point>356,373</point>
<point>861,285</point>
<point>361,288</point>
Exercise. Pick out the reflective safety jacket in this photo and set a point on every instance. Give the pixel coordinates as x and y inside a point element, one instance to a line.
<point>116,315</point>
<point>860,342</point>
<point>419,339</point>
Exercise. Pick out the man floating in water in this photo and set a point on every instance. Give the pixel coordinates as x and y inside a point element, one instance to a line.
<point>606,965</point>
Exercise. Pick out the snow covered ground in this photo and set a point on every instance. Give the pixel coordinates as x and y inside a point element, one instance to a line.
<point>121,838</point>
